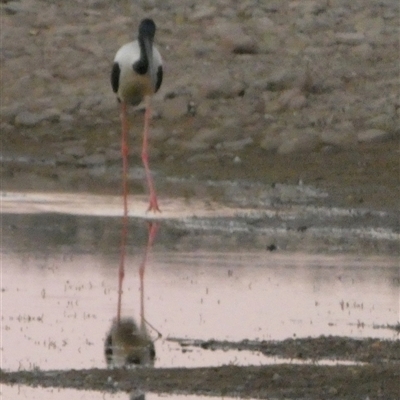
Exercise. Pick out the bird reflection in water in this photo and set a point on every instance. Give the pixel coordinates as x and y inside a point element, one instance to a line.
<point>128,344</point>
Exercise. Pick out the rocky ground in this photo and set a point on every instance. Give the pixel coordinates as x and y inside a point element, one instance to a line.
<point>270,92</point>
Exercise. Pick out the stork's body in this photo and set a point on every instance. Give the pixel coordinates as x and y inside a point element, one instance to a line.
<point>136,75</point>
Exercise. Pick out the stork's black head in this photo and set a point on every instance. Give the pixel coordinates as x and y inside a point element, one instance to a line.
<point>147,28</point>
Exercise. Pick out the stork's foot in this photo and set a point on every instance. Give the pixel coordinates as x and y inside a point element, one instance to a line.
<point>153,204</point>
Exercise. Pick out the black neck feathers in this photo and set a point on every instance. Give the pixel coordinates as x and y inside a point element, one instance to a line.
<point>147,30</point>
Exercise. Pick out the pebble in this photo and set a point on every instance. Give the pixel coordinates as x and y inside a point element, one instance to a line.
<point>16,7</point>
<point>298,142</point>
<point>175,108</point>
<point>6,127</point>
<point>77,151</point>
<point>373,136</point>
<point>202,157</point>
<point>27,118</point>
<point>93,159</point>
<point>276,377</point>
<point>159,134</point>
<point>286,78</point>
<point>233,37</point>
<point>202,12</point>
<point>382,121</point>
<point>332,390</point>
<point>65,159</point>
<point>194,146</point>
<point>209,135</point>
<point>292,99</point>
<point>221,86</point>
<point>235,145</point>
<point>309,7</point>
<point>350,38</point>
<point>237,160</point>
<point>363,50</point>
<point>370,27</point>
<point>9,113</point>
<point>339,138</point>
<point>112,154</point>
<point>271,142</point>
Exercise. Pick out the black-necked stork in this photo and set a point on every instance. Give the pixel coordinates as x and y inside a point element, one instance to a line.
<point>136,75</point>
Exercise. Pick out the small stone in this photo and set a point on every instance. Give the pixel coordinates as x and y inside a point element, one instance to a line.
<point>223,86</point>
<point>158,134</point>
<point>27,118</point>
<point>112,154</point>
<point>299,142</point>
<point>332,390</point>
<point>286,78</point>
<point>202,157</point>
<point>308,7</point>
<point>66,118</point>
<point>175,108</point>
<point>208,135</point>
<point>271,142</point>
<point>93,159</point>
<point>195,146</point>
<point>75,151</point>
<point>65,159</point>
<point>343,138</point>
<point>350,38</point>
<point>382,121</point>
<point>9,113</point>
<point>202,12</point>
<point>51,115</point>
<point>14,7</point>
<point>292,99</point>
<point>371,27</point>
<point>373,136</point>
<point>276,377</point>
<point>363,50</point>
<point>235,145</point>
<point>233,37</point>
<point>6,127</point>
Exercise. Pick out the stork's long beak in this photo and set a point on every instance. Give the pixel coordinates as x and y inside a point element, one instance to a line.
<point>148,45</point>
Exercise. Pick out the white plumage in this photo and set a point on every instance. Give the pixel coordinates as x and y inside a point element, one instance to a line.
<point>136,75</point>
<point>133,87</point>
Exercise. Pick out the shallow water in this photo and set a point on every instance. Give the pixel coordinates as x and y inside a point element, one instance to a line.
<point>60,262</point>
<point>25,392</point>
<point>60,297</point>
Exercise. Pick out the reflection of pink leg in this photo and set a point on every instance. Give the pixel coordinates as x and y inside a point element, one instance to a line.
<point>124,233</point>
<point>153,228</point>
<point>153,205</point>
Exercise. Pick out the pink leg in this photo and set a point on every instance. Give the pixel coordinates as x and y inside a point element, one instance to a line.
<point>124,151</point>
<point>124,233</point>
<point>153,205</point>
<point>153,228</point>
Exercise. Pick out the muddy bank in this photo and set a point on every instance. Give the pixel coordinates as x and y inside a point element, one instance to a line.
<point>280,382</point>
<point>88,222</point>
<point>378,379</point>
<point>331,347</point>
